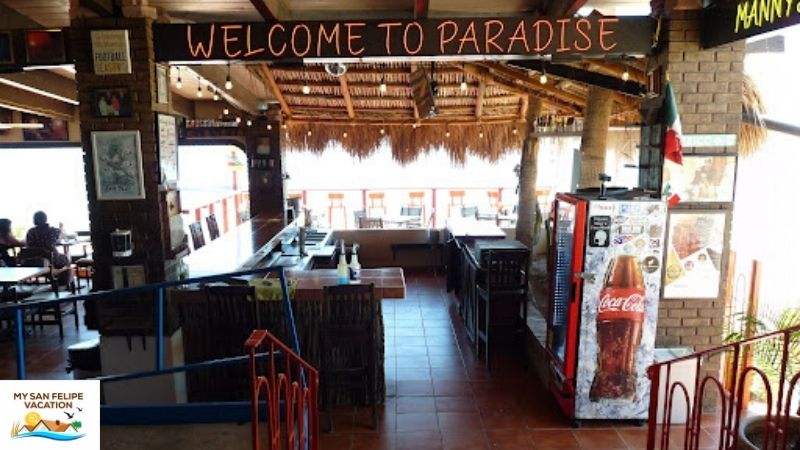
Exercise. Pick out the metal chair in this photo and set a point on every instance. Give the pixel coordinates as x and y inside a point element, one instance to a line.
<point>471,211</point>
<point>505,279</point>
<point>213,226</point>
<point>348,350</point>
<point>196,230</point>
<point>415,212</point>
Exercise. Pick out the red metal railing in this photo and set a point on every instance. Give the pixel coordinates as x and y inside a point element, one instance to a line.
<point>733,395</point>
<point>289,389</point>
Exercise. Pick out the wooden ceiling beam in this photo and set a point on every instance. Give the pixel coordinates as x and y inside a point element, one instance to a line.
<point>348,102</point>
<point>616,70</point>
<point>629,88</point>
<point>479,99</point>
<point>461,120</point>
<point>276,91</point>
<point>363,84</point>
<point>521,76</point>
<point>271,10</point>
<point>20,100</point>
<point>45,83</point>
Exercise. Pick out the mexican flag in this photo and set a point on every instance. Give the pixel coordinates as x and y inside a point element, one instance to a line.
<point>673,150</point>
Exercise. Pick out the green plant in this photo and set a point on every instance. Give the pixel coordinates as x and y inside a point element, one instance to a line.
<point>77,424</point>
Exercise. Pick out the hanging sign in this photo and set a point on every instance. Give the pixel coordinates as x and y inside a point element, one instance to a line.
<point>727,22</point>
<point>415,39</point>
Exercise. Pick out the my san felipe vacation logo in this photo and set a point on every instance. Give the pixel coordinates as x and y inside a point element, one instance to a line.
<point>60,422</point>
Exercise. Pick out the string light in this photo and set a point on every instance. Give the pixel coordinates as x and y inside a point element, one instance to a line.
<point>308,132</point>
<point>514,131</point>
<point>199,87</point>
<point>283,126</point>
<point>226,111</point>
<point>228,82</point>
<point>383,131</point>
<point>238,119</point>
<point>216,96</point>
<point>269,127</point>
<point>306,89</point>
<point>463,85</point>
<point>447,133</point>
<point>480,135</point>
<point>249,123</point>
<point>543,78</point>
<point>382,87</point>
<point>626,75</point>
<point>179,82</point>
<point>344,135</point>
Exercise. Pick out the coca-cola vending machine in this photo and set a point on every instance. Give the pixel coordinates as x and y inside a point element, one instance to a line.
<point>605,281</point>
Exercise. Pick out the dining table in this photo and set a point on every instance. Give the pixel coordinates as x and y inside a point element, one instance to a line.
<point>12,276</point>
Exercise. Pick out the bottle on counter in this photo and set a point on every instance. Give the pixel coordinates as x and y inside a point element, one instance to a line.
<point>342,271</point>
<point>355,266</point>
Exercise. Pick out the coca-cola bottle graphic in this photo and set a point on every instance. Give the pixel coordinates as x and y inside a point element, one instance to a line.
<point>620,314</point>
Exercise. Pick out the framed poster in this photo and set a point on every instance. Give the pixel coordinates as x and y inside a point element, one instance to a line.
<point>693,264</point>
<point>701,178</point>
<point>168,147</point>
<point>51,130</point>
<point>111,52</point>
<point>6,48</point>
<point>117,157</point>
<point>45,47</point>
<point>162,85</point>
<point>111,102</point>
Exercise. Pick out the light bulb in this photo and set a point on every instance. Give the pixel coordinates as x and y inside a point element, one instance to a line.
<point>179,83</point>
<point>543,79</point>
<point>283,126</point>
<point>306,89</point>
<point>308,132</point>
<point>344,135</point>
<point>199,92</point>
<point>383,88</point>
<point>414,126</point>
<point>480,135</point>
<point>447,133</point>
<point>249,123</point>
<point>269,127</point>
<point>216,96</point>
<point>238,119</point>
<point>383,131</point>
<point>463,86</point>
<point>228,84</point>
<point>514,131</point>
<point>626,75</point>
<point>226,111</point>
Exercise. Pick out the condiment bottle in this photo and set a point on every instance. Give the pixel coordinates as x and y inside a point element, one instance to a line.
<point>355,266</point>
<point>342,271</point>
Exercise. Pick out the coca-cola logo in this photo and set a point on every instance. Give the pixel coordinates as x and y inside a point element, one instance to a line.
<point>633,303</point>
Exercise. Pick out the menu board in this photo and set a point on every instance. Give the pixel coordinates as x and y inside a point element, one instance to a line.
<point>168,148</point>
<point>694,254</point>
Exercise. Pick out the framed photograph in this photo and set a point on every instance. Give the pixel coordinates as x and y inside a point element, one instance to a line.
<point>162,85</point>
<point>117,157</point>
<point>111,52</point>
<point>111,102</point>
<point>51,130</point>
<point>168,147</point>
<point>6,48</point>
<point>695,243</point>
<point>45,47</point>
<point>701,178</point>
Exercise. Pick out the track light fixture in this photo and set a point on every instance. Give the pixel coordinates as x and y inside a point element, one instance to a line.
<point>228,82</point>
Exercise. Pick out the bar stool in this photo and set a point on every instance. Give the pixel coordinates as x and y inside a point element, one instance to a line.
<point>416,199</point>
<point>494,200</point>
<point>456,201</point>
<point>376,202</point>
<point>336,201</point>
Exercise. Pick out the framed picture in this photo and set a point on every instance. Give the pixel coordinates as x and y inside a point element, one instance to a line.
<point>6,48</point>
<point>51,130</point>
<point>701,178</point>
<point>111,52</point>
<point>45,47</point>
<point>262,146</point>
<point>111,102</point>
<point>695,243</point>
<point>162,85</point>
<point>168,147</point>
<point>117,157</point>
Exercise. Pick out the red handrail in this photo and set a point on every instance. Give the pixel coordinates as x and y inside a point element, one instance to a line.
<point>294,386</point>
<point>779,398</point>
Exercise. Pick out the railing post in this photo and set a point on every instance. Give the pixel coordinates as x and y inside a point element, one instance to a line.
<point>160,329</point>
<point>20,345</point>
<point>654,373</point>
<point>433,207</point>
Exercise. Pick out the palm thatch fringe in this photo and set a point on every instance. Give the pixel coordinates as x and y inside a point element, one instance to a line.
<point>488,142</point>
<point>752,137</point>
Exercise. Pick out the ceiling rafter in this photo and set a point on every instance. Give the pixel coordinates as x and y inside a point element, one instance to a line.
<point>348,102</point>
<point>276,91</point>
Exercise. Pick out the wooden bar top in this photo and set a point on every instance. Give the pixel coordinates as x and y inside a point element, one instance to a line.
<point>389,282</point>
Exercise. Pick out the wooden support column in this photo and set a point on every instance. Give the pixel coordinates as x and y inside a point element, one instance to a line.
<point>348,102</point>
<point>267,188</point>
<point>595,135</point>
<point>528,215</point>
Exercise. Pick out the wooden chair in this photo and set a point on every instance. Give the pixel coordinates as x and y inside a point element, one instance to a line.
<point>505,279</point>
<point>348,350</point>
<point>370,223</point>
<point>336,201</point>
<point>84,263</point>
<point>196,230</point>
<point>48,315</point>
<point>456,201</point>
<point>376,201</point>
<point>213,226</point>
<point>494,201</point>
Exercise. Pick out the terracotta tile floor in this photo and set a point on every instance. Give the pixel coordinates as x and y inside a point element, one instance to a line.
<point>439,396</point>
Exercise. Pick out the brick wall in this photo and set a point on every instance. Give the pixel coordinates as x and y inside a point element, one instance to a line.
<point>708,90</point>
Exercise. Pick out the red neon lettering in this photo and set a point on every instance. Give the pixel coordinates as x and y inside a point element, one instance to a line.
<point>250,50</point>
<point>352,37</point>
<point>196,50</point>
<point>469,35</point>
<point>269,40</point>
<point>519,36</point>
<point>388,27</point>
<point>226,39</point>
<point>446,40</point>
<point>562,46</point>
<point>329,38</point>
<point>421,38</point>
<point>584,33</point>
<point>603,33</point>
<point>490,38</point>
<point>538,28</point>
<point>294,40</point>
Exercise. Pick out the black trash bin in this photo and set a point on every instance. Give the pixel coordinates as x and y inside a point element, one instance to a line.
<point>84,359</point>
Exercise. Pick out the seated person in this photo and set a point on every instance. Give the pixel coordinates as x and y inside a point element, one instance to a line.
<point>7,240</point>
<point>43,236</point>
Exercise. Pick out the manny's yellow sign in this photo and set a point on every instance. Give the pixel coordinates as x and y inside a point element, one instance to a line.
<point>729,21</point>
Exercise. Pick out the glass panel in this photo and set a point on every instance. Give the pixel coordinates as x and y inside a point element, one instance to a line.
<point>562,283</point>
